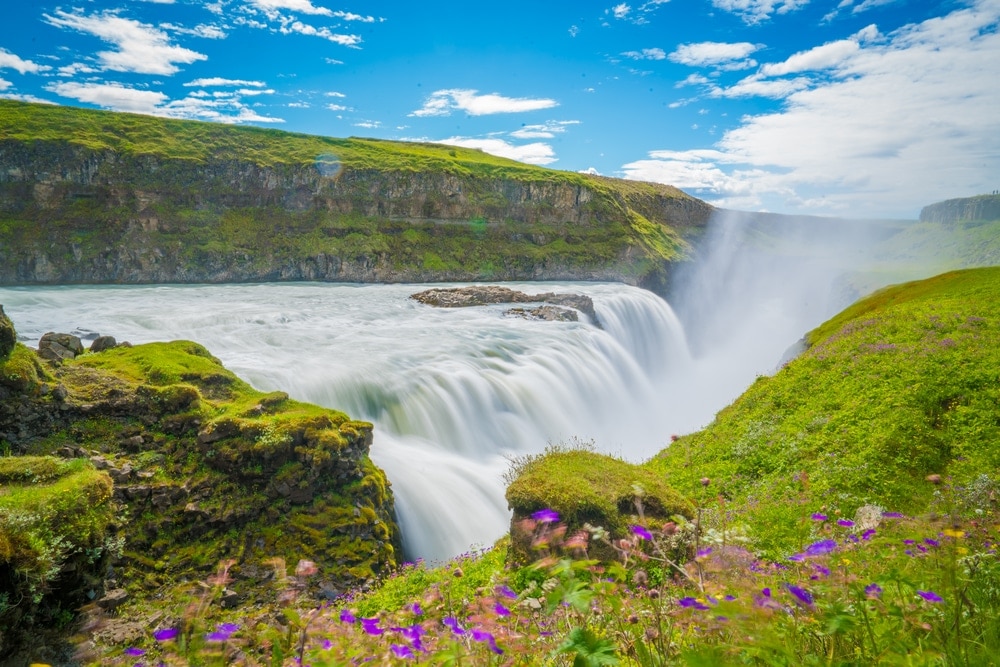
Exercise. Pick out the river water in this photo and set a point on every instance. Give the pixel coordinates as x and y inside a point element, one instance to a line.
<point>453,393</point>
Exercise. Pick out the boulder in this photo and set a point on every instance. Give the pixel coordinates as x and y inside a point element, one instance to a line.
<point>546,313</point>
<point>102,343</point>
<point>8,336</point>
<point>59,346</point>
<point>481,295</point>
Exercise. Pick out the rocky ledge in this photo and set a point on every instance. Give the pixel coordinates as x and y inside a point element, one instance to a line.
<point>482,295</point>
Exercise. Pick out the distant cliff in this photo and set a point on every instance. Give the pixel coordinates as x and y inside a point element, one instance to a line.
<point>968,209</point>
<point>98,197</point>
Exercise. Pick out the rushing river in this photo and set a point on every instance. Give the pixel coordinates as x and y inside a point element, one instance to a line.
<point>453,393</point>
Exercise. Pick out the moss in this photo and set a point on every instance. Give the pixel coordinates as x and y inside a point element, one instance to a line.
<point>8,336</point>
<point>586,487</point>
<point>22,371</point>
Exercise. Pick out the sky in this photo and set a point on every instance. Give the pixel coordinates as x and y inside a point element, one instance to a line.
<point>855,108</point>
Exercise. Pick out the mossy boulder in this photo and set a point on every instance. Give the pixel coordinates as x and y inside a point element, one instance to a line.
<point>8,337</point>
<point>55,520</point>
<point>586,487</point>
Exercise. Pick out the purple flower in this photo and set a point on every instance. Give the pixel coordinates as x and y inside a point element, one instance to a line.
<point>401,651</point>
<point>546,516</point>
<point>892,515</point>
<point>327,644</point>
<point>766,592</point>
<point>347,617</point>
<point>703,552</point>
<point>135,652</point>
<point>411,632</point>
<point>370,626</point>
<point>691,603</point>
<point>819,517</point>
<point>729,598</point>
<point>227,627</point>
<point>873,591</point>
<point>821,548</point>
<point>483,636</point>
<point>642,532</point>
<point>933,543</point>
<point>452,623</point>
<point>505,591</point>
<point>800,594</point>
<point>166,634</point>
<point>867,535</point>
<point>415,608</point>
<point>846,523</point>
<point>218,636</point>
<point>820,570</point>
<point>500,610</point>
<point>930,596</point>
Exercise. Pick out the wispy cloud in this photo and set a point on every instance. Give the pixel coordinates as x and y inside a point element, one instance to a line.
<point>219,81</point>
<point>533,153</point>
<point>443,102</point>
<point>9,60</point>
<point>298,6</point>
<point>547,130</point>
<point>221,107</point>
<point>757,11</point>
<point>141,48</point>
<point>895,123</point>
<point>646,54</point>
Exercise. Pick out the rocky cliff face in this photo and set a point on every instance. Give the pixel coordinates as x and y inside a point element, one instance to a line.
<point>77,215</point>
<point>968,209</point>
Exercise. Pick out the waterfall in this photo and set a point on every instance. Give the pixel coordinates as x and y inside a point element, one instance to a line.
<point>453,393</point>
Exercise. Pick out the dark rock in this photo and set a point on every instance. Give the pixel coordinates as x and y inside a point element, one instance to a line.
<point>60,393</point>
<point>229,599</point>
<point>481,295</point>
<point>8,336</point>
<point>102,343</point>
<point>546,313</point>
<point>59,346</point>
<point>113,599</point>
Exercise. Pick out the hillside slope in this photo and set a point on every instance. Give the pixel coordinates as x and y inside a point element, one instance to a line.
<point>902,385</point>
<point>99,197</point>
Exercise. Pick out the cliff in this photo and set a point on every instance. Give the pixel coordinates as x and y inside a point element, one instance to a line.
<point>98,197</point>
<point>968,209</point>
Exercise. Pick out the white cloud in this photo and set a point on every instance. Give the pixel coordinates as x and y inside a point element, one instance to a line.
<point>755,86</point>
<point>646,54</point>
<point>336,107</point>
<point>204,30</point>
<point>443,102</point>
<point>620,11</point>
<point>219,81</point>
<point>533,153</point>
<point>547,130</point>
<point>369,124</point>
<point>893,126</point>
<point>298,105</point>
<point>9,60</point>
<point>349,16</point>
<point>574,31</point>
<point>334,93</point>
<point>822,57</point>
<point>5,84</point>
<point>227,108</point>
<point>757,11</point>
<point>325,33</point>
<point>715,54</point>
<point>299,6</point>
<point>333,61</point>
<point>590,170</point>
<point>142,48</point>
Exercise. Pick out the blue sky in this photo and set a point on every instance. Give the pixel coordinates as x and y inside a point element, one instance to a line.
<point>843,107</point>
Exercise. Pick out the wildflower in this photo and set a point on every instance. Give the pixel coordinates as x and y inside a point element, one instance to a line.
<point>909,542</point>
<point>892,515</point>
<point>692,603</point>
<point>218,636</point>
<point>820,571</point>
<point>821,548</point>
<point>134,652</point>
<point>873,591</point>
<point>452,623</point>
<point>483,636</point>
<point>766,592</point>
<point>415,608</point>
<point>642,532</point>
<point>327,644</point>
<point>166,634</point>
<point>227,627</point>
<point>954,533</point>
<point>370,626</point>
<point>500,610</point>
<point>930,542</point>
<point>546,516</point>
<point>867,535</point>
<point>401,651</point>
<point>930,596</point>
<point>819,517</point>
<point>703,552</point>
<point>800,594</point>
<point>505,591</point>
<point>347,617</point>
<point>729,598</point>
<point>846,523</point>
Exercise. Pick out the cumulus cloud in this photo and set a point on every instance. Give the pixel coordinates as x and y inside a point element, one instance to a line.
<point>892,125</point>
<point>646,54</point>
<point>9,60</point>
<point>226,107</point>
<point>306,29</point>
<point>299,6</point>
<point>5,84</point>
<point>757,11</point>
<point>533,153</point>
<point>443,102</point>
<point>547,130</point>
<point>715,54</point>
<point>141,48</point>
<point>826,56</point>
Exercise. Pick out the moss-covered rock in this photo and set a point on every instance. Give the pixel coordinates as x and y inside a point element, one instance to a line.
<point>586,487</point>
<point>8,337</point>
<point>54,540</point>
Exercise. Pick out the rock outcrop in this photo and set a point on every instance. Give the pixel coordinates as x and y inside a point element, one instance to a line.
<point>968,209</point>
<point>481,295</point>
<point>80,209</point>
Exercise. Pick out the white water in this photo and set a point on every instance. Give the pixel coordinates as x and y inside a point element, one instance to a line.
<point>453,392</point>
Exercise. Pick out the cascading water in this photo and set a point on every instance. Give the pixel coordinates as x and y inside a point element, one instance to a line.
<point>452,392</point>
